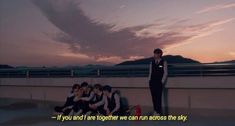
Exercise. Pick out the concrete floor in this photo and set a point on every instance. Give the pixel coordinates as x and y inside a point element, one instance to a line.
<point>30,114</point>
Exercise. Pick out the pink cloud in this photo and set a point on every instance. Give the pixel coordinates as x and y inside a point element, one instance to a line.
<point>216,8</point>
<point>97,40</point>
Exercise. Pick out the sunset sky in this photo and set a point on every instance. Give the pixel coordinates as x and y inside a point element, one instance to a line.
<point>79,32</point>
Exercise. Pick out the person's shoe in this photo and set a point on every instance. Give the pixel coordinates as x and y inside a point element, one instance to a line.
<point>88,113</point>
<point>156,114</point>
<point>71,113</point>
<point>78,113</point>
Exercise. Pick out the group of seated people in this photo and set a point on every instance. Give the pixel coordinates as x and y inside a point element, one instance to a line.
<point>86,99</point>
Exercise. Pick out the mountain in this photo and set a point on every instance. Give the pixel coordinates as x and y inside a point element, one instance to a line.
<point>3,66</point>
<point>171,59</point>
<point>230,61</point>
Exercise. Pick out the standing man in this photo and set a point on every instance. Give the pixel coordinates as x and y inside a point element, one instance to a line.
<point>157,77</point>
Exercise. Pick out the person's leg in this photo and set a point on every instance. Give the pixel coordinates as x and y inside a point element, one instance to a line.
<point>86,107</point>
<point>68,102</point>
<point>117,113</point>
<point>67,111</point>
<point>154,98</point>
<point>159,99</point>
<point>58,109</point>
<point>77,108</point>
<point>100,110</point>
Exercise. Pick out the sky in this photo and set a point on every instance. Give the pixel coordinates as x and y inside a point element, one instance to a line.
<point>80,32</point>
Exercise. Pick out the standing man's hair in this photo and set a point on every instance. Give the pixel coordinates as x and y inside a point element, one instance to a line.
<point>158,51</point>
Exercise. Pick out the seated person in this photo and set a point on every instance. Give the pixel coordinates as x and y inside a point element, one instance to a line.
<point>88,94</point>
<point>69,100</point>
<point>97,104</point>
<point>69,109</point>
<point>82,103</point>
<point>112,101</point>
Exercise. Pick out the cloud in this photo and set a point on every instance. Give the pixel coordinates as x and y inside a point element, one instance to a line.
<point>199,30</point>
<point>216,8</point>
<point>80,56</point>
<point>90,38</point>
<point>205,29</point>
<point>122,6</point>
<point>232,54</point>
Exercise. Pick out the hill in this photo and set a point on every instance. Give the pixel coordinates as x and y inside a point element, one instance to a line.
<point>171,59</point>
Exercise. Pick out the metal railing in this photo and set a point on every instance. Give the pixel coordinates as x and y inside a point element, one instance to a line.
<point>174,70</point>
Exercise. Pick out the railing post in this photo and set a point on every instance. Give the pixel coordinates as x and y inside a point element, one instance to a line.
<point>98,72</point>
<point>72,73</point>
<point>201,70</point>
<point>27,74</point>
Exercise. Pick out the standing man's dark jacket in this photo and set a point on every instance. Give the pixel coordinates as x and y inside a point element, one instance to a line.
<point>158,72</point>
<point>157,77</point>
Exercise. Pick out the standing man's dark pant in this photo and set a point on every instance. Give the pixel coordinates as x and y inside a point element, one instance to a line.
<point>156,92</point>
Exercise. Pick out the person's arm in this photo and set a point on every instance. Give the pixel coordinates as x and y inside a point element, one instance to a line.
<point>117,101</point>
<point>88,98</point>
<point>106,105</point>
<point>77,98</point>
<point>165,74</point>
<point>70,94</point>
<point>100,102</point>
<point>150,70</point>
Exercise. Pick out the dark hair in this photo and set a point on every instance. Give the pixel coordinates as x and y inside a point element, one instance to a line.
<point>90,86</point>
<point>98,86</point>
<point>84,84</point>
<point>158,51</point>
<point>107,88</point>
<point>74,87</point>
